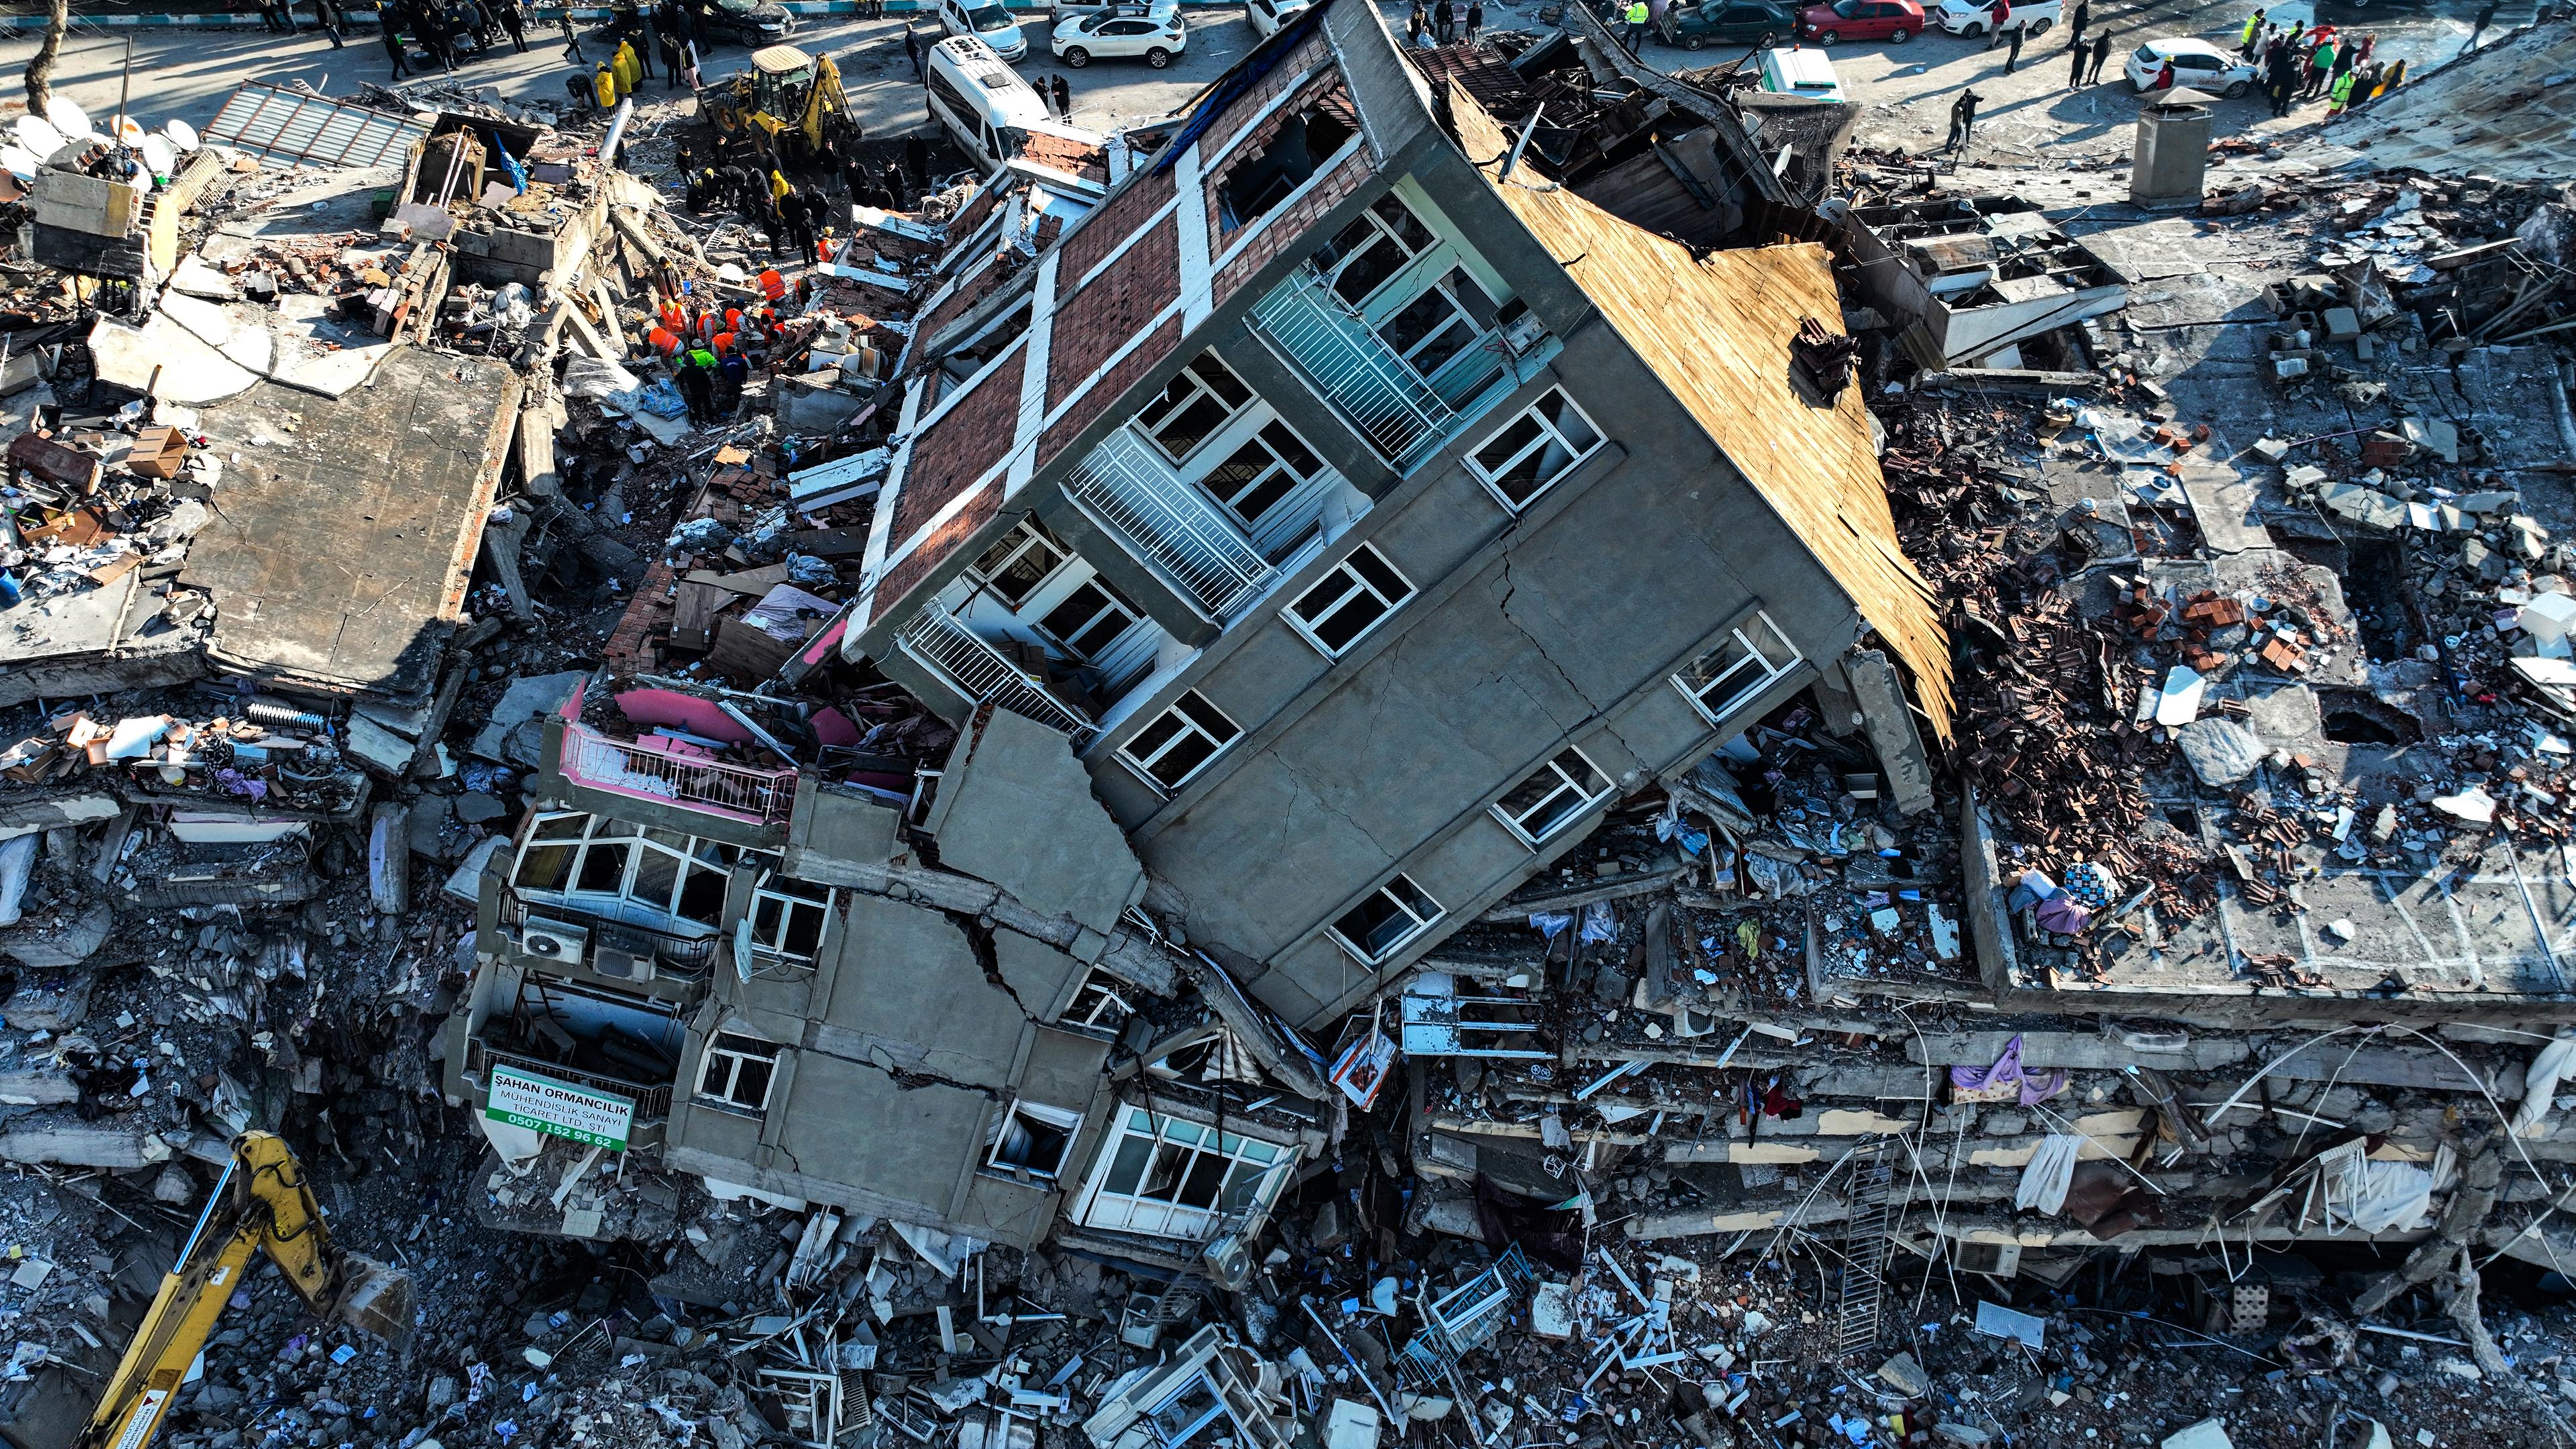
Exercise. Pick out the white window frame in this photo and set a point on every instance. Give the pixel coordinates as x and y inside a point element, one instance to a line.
<point>1352,584</point>
<point>1382,231</point>
<point>621,903</point>
<point>1105,991</point>
<point>1548,432</point>
<point>1153,430</point>
<point>1113,605</point>
<point>1130,1211</point>
<point>1566,783</point>
<point>1026,536</point>
<point>735,1058</point>
<point>1742,634</point>
<point>1191,726</point>
<point>1421,922</point>
<point>774,950</point>
<point>1056,1118</point>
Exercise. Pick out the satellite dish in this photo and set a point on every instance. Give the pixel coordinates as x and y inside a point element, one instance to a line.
<point>182,135</point>
<point>18,161</point>
<point>69,118</point>
<point>38,135</point>
<point>129,130</point>
<point>159,155</point>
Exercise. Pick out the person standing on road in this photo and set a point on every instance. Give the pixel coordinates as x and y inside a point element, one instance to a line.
<point>2253,28</point>
<point>1413,26</point>
<point>912,50</point>
<point>2478,27</point>
<point>1636,21</point>
<point>1963,121</point>
<point>2075,82</point>
<point>2280,79</point>
<point>1062,90</point>
<point>2346,56</point>
<point>2101,53</point>
<point>1475,19</point>
<point>572,42</point>
<point>2341,95</point>
<point>326,18</point>
<point>2075,23</point>
<point>2324,64</point>
<point>1997,16</point>
<point>1445,16</point>
<point>916,159</point>
<point>515,22</point>
<point>2012,57</point>
<point>392,34</point>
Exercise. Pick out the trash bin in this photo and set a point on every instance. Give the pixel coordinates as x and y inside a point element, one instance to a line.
<point>2172,154</point>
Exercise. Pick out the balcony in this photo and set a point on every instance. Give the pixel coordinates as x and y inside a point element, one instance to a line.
<point>1385,399</point>
<point>638,770</point>
<point>982,674</point>
<point>620,950</point>
<point>1170,526</point>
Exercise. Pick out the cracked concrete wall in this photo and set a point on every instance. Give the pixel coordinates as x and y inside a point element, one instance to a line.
<point>1561,626</point>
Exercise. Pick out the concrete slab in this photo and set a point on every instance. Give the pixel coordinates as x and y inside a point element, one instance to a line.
<point>525,700</point>
<point>1016,809</point>
<point>2224,508</point>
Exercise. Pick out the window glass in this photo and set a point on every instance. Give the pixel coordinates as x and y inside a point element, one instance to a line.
<point>1090,619</point>
<point>1535,449</point>
<point>1375,246</point>
<point>1178,742</point>
<point>1558,792</point>
<point>1391,915</point>
<point>1195,404</point>
<point>603,867</point>
<point>545,867</point>
<point>1741,666</point>
<point>657,875</point>
<point>1431,329</point>
<point>1346,603</point>
<point>1023,559</point>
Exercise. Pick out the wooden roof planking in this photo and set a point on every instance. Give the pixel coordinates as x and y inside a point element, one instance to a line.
<point>1717,329</point>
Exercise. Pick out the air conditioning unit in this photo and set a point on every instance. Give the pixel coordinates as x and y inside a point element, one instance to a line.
<point>1523,333</point>
<point>616,959</point>
<point>553,940</point>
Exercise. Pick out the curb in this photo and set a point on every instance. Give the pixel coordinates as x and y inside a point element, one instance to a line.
<point>537,14</point>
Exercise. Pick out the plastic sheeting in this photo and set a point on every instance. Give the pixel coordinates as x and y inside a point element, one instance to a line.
<point>2540,1085</point>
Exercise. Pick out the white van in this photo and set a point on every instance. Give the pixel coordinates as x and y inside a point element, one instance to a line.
<point>1801,72</point>
<point>980,100</point>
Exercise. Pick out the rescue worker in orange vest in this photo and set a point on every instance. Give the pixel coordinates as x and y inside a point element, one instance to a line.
<point>663,341</point>
<point>772,285</point>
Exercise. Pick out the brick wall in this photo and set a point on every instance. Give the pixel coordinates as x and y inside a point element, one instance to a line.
<point>944,540</point>
<point>1122,377</point>
<point>1291,229</point>
<point>959,448</point>
<point>1311,51</point>
<point>1099,234</point>
<point>1097,320</point>
<point>958,303</point>
<point>630,648</point>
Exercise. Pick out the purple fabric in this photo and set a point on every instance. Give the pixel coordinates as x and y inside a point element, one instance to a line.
<point>2063,915</point>
<point>2007,1072</point>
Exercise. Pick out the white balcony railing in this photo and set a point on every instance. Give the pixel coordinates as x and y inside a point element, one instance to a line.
<point>975,669</point>
<point>739,791</point>
<point>1171,526</point>
<point>1373,387</point>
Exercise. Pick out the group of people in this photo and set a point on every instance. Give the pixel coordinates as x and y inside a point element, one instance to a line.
<point>2301,64</point>
<point>1438,23</point>
<point>435,27</point>
<point>714,347</point>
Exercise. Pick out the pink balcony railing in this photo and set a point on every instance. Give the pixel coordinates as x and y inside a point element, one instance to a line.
<point>641,771</point>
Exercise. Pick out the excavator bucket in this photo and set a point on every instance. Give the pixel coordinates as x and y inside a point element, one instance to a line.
<point>376,1298</point>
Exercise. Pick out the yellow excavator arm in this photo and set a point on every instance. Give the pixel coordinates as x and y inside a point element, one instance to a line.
<point>268,1208</point>
<point>823,101</point>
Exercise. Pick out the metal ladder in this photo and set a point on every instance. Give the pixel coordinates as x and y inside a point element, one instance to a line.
<point>1875,1207</point>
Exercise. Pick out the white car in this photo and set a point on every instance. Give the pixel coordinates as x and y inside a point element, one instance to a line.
<point>2197,64</point>
<point>988,22</point>
<point>1155,33</point>
<point>1268,15</point>
<point>1966,17</point>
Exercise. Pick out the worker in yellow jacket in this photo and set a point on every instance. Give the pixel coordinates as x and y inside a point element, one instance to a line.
<point>604,85</point>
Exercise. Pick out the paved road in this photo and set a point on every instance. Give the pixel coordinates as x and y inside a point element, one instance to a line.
<point>2028,117</point>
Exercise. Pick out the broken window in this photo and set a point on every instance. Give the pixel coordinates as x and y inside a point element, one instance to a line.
<point>787,918</point>
<point>1391,915</point>
<point>1535,449</point>
<point>1265,470</point>
<point>1348,602</point>
<point>1100,1004</point>
<point>1177,1178</point>
<point>1033,1139</point>
<point>1745,662</point>
<point>1180,741</point>
<point>1434,328</point>
<point>629,873</point>
<point>1547,801</point>
<point>1270,172</point>
<point>737,1072</point>
<point>1364,255</point>
<point>1090,619</point>
<point>1022,560</point>
<point>1194,405</point>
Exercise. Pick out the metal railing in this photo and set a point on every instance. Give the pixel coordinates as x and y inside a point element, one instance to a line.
<point>983,674</point>
<point>652,1104</point>
<point>1371,385</point>
<point>766,797</point>
<point>682,958</point>
<point>1170,525</point>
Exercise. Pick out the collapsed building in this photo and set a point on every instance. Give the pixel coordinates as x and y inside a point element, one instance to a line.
<point>1470,741</point>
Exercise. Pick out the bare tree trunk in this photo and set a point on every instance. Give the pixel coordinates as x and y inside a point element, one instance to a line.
<point>40,70</point>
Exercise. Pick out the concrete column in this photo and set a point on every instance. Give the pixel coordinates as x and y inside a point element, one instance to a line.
<point>1889,721</point>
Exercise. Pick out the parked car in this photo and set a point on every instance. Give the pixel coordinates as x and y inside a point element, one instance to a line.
<point>1702,23</point>
<point>988,22</point>
<point>751,22</point>
<point>1894,21</point>
<point>1966,17</point>
<point>1266,15</point>
<point>1156,34</point>
<point>1796,72</point>
<point>2197,65</point>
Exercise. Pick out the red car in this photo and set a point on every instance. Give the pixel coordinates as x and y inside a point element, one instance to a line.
<point>1894,21</point>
